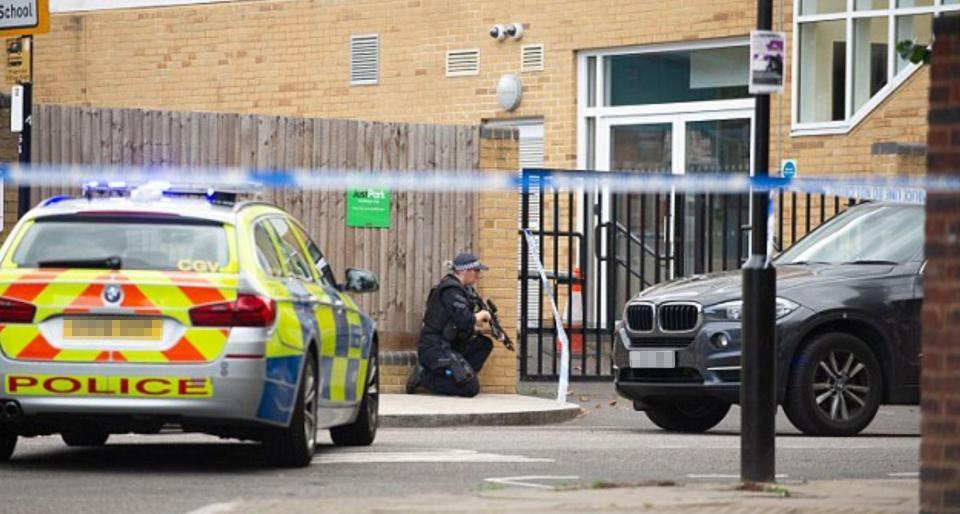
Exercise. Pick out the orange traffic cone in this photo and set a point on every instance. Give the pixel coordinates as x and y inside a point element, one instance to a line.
<point>574,326</point>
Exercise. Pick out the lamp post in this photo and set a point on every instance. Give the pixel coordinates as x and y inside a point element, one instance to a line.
<point>24,138</point>
<point>758,399</point>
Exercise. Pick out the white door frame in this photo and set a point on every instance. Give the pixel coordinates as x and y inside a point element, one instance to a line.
<point>653,115</point>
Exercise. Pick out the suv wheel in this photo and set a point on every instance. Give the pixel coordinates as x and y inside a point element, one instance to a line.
<point>835,386</point>
<point>8,442</point>
<point>294,445</point>
<point>363,431</point>
<point>84,438</point>
<point>687,414</point>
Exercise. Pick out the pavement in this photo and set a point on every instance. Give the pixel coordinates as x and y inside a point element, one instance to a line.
<point>426,410</point>
<point>534,495</point>
<point>820,497</point>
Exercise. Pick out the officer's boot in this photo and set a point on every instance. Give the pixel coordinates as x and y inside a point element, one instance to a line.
<point>413,381</point>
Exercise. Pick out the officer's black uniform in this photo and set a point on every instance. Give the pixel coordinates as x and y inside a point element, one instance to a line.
<point>449,326</point>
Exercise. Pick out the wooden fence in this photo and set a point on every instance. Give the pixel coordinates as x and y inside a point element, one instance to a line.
<point>426,229</point>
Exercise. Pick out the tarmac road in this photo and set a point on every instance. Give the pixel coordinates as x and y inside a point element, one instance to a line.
<point>609,444</point>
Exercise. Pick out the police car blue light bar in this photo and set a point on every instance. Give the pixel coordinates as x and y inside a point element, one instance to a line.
<point>155,189</point>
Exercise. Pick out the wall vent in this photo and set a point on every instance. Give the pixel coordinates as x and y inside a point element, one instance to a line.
<point>531,58</point>
<point>462,63</point>
<point>364,59</point>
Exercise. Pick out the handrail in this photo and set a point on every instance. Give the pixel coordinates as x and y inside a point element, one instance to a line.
<point>633,239</point>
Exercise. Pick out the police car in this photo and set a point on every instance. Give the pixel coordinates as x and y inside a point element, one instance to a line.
<point>136,309</point>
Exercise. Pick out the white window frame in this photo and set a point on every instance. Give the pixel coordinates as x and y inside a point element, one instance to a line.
<point>599,111</point>
<point>604,117</point>
<point>894,79</point>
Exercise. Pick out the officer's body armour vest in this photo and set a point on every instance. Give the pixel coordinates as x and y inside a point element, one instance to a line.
<point>436,319</point>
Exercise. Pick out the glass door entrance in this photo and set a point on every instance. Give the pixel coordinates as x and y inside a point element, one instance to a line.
<point>640,223</point>
<point>658,236</point>
<point>712,228</point>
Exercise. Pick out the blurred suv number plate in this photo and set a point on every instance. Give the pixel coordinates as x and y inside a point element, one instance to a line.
<point>653,359</point>
<point>113,328</point>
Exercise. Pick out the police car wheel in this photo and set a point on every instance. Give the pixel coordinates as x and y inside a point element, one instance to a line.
<point>8,442</point>
<point>294,445</point>
<point>363,431</point>
<point>84,438</point>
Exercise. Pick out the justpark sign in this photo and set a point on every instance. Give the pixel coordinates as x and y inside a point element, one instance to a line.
<point>24,17</point>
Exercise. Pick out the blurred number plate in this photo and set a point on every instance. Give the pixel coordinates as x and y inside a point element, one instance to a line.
<point>653,359</point>
<point>113,328</point>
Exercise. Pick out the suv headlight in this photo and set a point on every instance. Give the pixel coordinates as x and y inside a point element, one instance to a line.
<point>733,311</point>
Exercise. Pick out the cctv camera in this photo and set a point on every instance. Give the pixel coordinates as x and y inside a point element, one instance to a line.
<point>515,30</point>
<point>498,32</point>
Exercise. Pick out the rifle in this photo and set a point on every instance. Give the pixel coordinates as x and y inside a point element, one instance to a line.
<point>495,327</point>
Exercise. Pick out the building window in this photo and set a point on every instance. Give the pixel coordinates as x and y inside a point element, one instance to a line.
<point>847,59</point>
<point>676,76</point>
<point>822,64</point>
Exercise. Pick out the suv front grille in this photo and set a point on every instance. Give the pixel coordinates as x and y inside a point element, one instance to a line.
<point>678,317</point>
<point>660,342</point>
<point>640,317</point>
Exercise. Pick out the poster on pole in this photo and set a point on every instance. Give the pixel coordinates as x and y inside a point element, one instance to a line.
<point>767,61</point>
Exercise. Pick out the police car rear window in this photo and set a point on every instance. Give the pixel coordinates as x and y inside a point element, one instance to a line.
<point>155,244</point>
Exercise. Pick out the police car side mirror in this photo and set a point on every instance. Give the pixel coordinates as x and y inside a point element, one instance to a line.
<point>360,280</point>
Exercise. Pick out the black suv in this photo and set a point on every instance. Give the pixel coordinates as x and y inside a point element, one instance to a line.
<point>848,330</point>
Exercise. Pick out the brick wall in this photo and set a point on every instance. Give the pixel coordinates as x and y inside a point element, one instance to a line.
<point>291,57</point>
<point>497,247</point>
<point>940,386</point>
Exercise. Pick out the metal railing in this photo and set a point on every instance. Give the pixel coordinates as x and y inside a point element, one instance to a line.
<point>622,244</point>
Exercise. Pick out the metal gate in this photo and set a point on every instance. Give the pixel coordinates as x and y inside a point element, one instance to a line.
<point>598,250</point>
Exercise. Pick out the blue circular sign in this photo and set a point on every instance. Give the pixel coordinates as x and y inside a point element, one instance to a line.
<point>789,169</point>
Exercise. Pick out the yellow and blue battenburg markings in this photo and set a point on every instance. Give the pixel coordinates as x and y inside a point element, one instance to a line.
<point>284,358</point>
<point>344,344</point>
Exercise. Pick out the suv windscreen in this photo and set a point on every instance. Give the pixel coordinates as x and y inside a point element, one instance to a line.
<point>148,245</point>
<point>883,233</point>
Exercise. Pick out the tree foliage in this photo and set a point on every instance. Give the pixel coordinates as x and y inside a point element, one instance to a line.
<point>913,52</point>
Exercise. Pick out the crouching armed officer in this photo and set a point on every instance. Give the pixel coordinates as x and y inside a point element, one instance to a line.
<point>451,352</point>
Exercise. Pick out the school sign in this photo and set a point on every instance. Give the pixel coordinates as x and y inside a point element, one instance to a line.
<point>24,17</point>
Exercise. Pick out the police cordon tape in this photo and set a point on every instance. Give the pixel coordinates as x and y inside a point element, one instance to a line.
<point>905,189</point>
<point>564,372</point>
